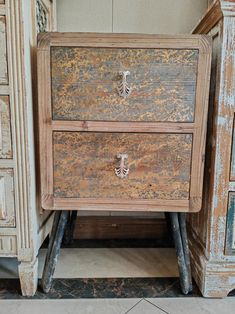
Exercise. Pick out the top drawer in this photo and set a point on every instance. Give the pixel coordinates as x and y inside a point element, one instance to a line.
<point>93,84</point>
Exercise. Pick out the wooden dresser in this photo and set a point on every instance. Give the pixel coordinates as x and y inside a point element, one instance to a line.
<point>122,121</point>
<point>213,229</point>
<point>22,228</point>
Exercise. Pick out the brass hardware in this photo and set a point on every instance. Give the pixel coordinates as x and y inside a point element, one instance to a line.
<point>122,171</point>
<point>123,89</point>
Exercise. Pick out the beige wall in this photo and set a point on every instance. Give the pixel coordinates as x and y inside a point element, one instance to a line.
<point>141,16</point>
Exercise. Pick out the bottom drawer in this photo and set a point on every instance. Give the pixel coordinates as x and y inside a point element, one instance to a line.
<point>7,206</point>
<point>149,166</point>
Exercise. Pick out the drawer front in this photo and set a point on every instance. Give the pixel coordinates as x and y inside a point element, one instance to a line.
<point>7,206</point>
<point>86,165</point>
<point>85,83</point>
<point>3,53</point>
<point>5,128</point>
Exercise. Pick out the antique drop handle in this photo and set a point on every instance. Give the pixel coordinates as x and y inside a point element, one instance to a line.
<point>122,171</point>
<point>123,89</point>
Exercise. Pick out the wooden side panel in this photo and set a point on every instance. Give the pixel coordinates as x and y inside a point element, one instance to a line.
<point>7,206</point>
<point>5,128</point>
<point>159,165</point>
<point>85,82</point>
<point>3,55</point>
<point>199,221</point>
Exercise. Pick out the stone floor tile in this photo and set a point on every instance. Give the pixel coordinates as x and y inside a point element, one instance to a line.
<point>145,307</point>
<point>196,305</point>
<point>84,306</point>
<point>105,263</point>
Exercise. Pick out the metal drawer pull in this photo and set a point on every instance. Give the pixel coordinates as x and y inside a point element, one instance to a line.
<point>123,89</point>
<point>122,171</point>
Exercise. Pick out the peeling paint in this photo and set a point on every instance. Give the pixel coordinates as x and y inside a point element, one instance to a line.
<point>214,271</point>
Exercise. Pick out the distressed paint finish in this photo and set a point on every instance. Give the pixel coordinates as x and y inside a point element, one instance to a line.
<point>7,206</point>
<point>28,277</point>
<point>159,165</point>
<point>85,82</point>
<point>198,221</point>
<point>3,57</point>
<point>214,265</point>
<point>5,128</point>
<point>22,228</point>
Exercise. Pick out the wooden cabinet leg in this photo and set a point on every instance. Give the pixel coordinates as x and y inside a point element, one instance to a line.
<point>57,233</point>
<point>184,237</point>
<point>68,234</point>
<point>180,240</point>
<point>28,273</point>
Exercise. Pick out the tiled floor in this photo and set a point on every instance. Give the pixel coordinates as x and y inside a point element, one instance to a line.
<point>120,306</point>
<point>118,263</point>
<point>105,263</point>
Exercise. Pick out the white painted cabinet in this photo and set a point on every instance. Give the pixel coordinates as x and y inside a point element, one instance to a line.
<point>22,227</point>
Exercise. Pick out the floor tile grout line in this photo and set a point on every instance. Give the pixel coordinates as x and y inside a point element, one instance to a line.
<point>134,306</point>
<point>156,306</point>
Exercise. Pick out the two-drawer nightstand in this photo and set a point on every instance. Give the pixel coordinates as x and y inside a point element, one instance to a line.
<point>122,127</point>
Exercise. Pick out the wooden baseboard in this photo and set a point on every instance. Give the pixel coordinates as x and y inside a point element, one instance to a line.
<point>94,227</point>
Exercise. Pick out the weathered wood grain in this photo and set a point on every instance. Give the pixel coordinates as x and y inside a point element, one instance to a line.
<point>123,40</point>
<point>85,81</point>
<point>135,127</point>
<point>214,265</point>
<point>84,165</point>
<point>230,238</point>
<point>5,128</point>
<point>3,53</point>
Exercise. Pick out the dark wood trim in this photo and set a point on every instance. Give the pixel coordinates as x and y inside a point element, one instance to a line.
<point>113,227</point>
<point>210,19</point>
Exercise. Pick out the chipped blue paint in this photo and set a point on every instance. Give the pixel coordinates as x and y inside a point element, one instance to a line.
<point>223,121</point>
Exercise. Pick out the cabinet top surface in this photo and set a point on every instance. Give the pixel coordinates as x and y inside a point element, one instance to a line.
<point>46,40</point>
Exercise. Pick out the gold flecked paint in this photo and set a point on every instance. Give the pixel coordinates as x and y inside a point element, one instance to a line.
<point>84,165</point>
<point>85,80</point>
